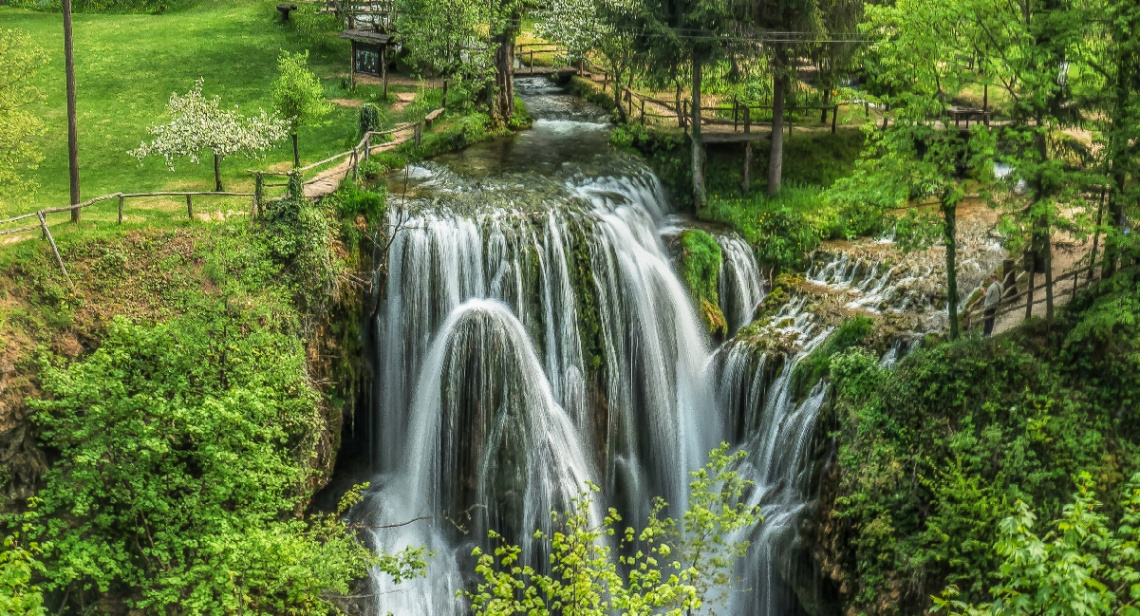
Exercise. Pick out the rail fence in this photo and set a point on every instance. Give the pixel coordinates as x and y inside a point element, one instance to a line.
<point>359,154</point>
<point>1032,292</point>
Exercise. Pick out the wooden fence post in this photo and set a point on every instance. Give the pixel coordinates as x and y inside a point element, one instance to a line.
<point>417,133</point>
<point>747,119</point>
<point>258,191</point>
<point>735,112</point>
<point>54,249</point>
<point>121,208</point>
<point>1009,269</point>
<point>643,112</point>
<point>834,117</point>
<point>354,165</point>
<point>1031,269</point>
<point>189,207</point>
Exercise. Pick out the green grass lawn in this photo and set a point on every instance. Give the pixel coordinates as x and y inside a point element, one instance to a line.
<point>126,68</point>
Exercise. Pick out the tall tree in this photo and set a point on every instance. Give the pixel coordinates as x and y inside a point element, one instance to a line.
<point>298,95</point>
<point>72,119</point>
<point>918,155</point>
<point>1032,46</point>
<point>20,58</point>
<point>787,18</point>
<point>585,26</point>
<point>1111,55</point>
<point>443,38</point>
<point>697,31</point>
<point>198,124</point>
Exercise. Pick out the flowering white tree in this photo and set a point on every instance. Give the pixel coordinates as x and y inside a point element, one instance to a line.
<point>199,124</point>
<point>602,27</point>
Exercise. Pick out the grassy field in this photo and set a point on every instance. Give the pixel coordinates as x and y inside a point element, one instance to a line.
<point>126,68</point>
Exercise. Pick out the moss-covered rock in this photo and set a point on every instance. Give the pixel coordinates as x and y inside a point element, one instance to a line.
<point>700,262</point>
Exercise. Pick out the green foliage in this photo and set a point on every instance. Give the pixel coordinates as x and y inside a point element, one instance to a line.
<point>370,118</point>
<point>1087,564</point>
<point>183,450</point>
<point>782,229</point>
<point>818,363</point>
<point>19,563</point>
<point>105,6</point>
<point>300,235</point>
<point>319,30</point>
<point>700,263</point>
<point>932,454</point>
<point>20,58</point>
<point>359,211</point>
<point>668,567</point>
<point>298,95</point>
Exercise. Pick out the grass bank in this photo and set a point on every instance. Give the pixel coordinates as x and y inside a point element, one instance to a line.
<point>127,66</point>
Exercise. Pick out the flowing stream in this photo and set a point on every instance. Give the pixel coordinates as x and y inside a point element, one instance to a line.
<point>533,335</point>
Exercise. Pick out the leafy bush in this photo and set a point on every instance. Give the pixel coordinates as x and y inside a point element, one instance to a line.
<point>300,235</point>
<point>818,364</point>
<point>370,118</point>
<point>779,228</point>
<point>932,455</point>
<point>184,450</point>
<point>668,566</point>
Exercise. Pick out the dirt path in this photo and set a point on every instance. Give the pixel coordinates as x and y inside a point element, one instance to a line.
<point>326,182</point>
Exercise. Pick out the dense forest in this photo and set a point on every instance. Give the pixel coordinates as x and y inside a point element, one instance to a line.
<point>796,307</point>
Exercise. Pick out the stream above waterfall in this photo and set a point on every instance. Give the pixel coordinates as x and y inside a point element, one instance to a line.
<point>533,335</point>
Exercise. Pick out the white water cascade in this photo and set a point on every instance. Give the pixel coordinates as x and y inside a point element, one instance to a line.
<point>532,335</point>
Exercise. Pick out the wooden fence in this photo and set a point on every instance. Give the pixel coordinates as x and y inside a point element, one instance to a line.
<point>1034,292</point>
<point>358,154</point>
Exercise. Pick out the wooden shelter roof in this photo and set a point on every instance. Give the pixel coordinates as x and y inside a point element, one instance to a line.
<point>366,36</point>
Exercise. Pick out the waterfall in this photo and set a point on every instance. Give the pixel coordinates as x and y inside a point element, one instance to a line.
<point>528,342</point>
<point>532,336</point>
<point>741,288</point>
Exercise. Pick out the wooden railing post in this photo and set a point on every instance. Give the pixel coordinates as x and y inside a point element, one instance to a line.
<point>54,249</point>
<point>189,208</point>
<point>418,133</point>
<point>258,192</point>
<point>834,117</point>
<point>735,112</point>
<point>643,112</point>
<point>121,208</point>
<point>747,119</point>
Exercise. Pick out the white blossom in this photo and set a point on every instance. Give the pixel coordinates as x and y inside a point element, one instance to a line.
<point>199,124</point>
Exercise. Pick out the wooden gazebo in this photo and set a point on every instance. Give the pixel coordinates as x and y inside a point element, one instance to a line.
<point>369,54</point>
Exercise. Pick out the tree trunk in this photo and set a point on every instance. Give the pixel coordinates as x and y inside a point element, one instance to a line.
<point>217,173</point>
<point>823,112</point>
<point>1117,152</point>
<point>505,75</point>
<point>950,239</point>
<point>72,119</point>
<point>622,116</point>
<point>296,152</point>
<point>776,155</point>
<point>699,197</point>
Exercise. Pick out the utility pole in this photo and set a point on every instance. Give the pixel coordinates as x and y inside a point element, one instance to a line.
<point>72,121</point>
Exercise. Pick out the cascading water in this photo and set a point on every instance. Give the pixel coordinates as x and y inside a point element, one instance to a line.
<point>532,335</point>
